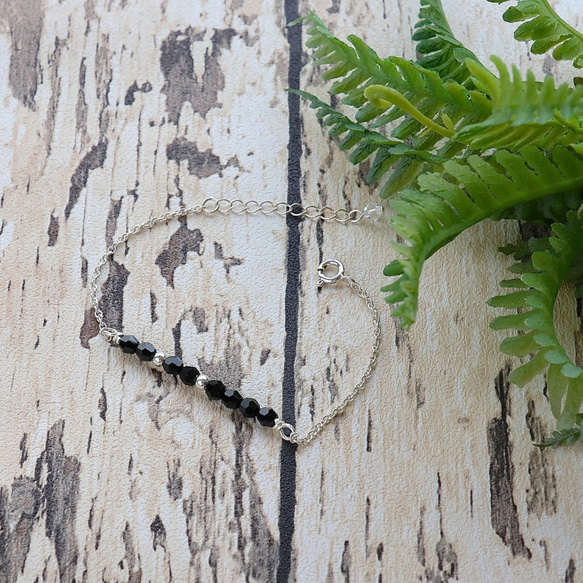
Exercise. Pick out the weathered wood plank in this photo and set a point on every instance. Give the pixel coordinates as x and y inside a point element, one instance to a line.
<point>454,476</point>
<point>112,112</point>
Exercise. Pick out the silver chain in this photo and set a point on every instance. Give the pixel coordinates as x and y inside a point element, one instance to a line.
<point>221,205</point>
<point>286,430</point>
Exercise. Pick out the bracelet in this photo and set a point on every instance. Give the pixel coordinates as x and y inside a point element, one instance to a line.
<point>329,272</point>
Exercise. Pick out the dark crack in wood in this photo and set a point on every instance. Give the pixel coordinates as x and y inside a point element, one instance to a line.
<point>134,88</point>
<point>181,81</point>
<point>25,33</point>
<point>55,80</point>
<point>94,159</point>
<point>89,328</point>
<point>541,496</point>
<point>346,562</point>
<point>53,231</point>
<point>61,493</point>
<point>19,512</point>
<point>102,404</point>
<point>132,557</point>
<point>174,484</point>
<point>570,572</point>
<point>503,510</point>
<point>158,533</point>
<point>201,164</point>
<point>111,300</point>
<point>180,244</point>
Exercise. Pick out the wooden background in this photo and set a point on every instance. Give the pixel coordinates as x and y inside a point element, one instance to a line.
<point>113,111</point>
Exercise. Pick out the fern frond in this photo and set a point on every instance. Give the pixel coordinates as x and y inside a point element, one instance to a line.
<point>563,437</point>
<point>541,24</point>
<point>356,68</point>
<point>350,67</point>
<point>430,95</point>
<point>441,51</point>
<point>524,111</point>
<point>468,191</point>
<point>428,110</point>
<point>362,141</point>
<point>553,261</point>
<point>446,113</point>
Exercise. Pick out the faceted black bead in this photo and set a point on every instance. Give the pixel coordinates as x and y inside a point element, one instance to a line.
<point>215,390</point>
<point>145,351</point>
<point>267,417</point>
<point>188,375</point>
<point>231,399</point>
<point>249,408</point>
<point>128,344</point>
<point>172,365</point>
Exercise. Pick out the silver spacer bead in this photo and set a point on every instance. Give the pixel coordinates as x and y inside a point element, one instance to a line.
<point>201,381</point>
<point>158,360</point>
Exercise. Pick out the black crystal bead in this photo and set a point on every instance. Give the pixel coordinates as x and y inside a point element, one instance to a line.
<point>215,390</point>
<point>145,351</point>
<point>249,408</point>
<point>172,365</point>
<point>231,399</point>
<point>188,375</point>
<point>267,417</point>
<point>128,344</point>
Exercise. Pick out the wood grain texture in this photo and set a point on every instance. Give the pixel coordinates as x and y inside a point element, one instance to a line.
<point>113,111</point>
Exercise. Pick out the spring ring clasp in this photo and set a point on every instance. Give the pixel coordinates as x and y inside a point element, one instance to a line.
<point>333,275</point>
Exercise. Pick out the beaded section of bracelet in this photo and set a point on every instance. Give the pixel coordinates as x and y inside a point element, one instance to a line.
<point>190,376</point>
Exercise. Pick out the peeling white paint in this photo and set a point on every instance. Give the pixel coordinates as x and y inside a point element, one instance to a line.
<point>6,235</point>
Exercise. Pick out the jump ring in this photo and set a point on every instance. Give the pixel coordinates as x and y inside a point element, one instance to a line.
<point>287,431</point>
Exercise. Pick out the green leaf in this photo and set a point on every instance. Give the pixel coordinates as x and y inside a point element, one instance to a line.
<point>543,25</point>
<point>572,403</point>
<point>520,345</point>
<point>385,97</point>
<point>515,321</point>
<point>571,371</point>
<point>525,373</point>
<point>557,356</point>
<point>365,142</point>
<point>557,385</point>
<point>510,301</point>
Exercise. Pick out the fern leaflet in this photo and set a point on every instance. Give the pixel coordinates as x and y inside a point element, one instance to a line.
<point>362,141</point>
